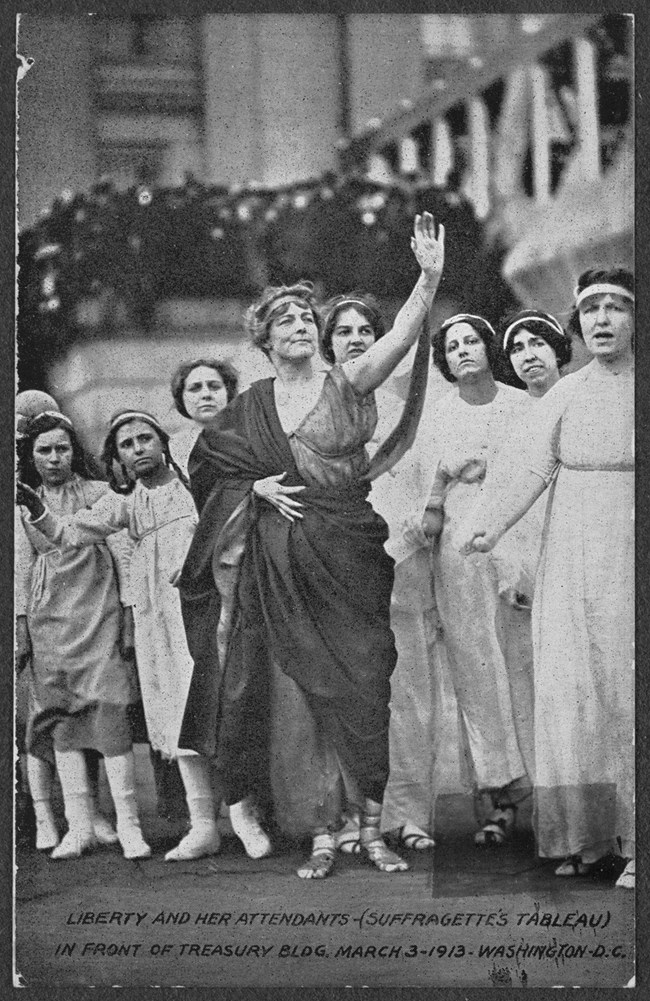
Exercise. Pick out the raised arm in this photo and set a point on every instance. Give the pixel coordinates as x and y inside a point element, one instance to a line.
<point>85,528</point>
<point>369,370</point>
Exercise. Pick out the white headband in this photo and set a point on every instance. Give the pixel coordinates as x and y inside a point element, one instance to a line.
<point>467,318</point>
<point>522,321</point>
<point>344,304</point>
<point>350,302</point>
<point>603,288</point>
<point>53,413</point>
<point>134,415</point>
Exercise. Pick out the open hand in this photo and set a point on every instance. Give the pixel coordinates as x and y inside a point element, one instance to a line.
<point>413,530</point>
<point>272,490</point>
<point>429,250</point>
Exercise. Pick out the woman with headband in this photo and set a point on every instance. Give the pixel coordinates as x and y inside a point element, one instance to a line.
<point>583,613</point>
<point>151,499</point>
<point>351,325</point>
<point>537,347</point>
<point>80,686</point>
<point>471,425</point>
<point>288,570</point>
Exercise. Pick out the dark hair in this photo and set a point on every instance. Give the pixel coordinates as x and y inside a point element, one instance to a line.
<point>598,276</point>
<point>260,315</point>
<point>364,303</point>
<point>484,331</point>
<point>38,425</point>
<point>538,323</point>
<point>227,372</point>
<point>110,456</point>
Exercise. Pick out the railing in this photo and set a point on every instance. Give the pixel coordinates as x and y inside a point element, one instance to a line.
<point>509,124</point>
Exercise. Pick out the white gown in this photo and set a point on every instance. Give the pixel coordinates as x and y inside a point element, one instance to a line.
<point>161,522</point>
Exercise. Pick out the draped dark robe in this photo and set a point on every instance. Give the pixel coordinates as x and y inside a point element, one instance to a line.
<point>312,595</point>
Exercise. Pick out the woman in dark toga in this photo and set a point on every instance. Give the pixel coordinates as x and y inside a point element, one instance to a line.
<point>286,588</point>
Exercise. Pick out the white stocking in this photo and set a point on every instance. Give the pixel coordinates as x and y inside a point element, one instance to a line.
<point>248,829</point>
<point>39,777</point>
<point>120,772</point>
<point>203,836</point>
<point>71,766</point>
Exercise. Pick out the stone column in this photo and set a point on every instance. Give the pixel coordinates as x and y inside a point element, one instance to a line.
<point>271,97</point>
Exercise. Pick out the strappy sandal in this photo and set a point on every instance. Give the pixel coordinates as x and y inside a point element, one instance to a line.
<point>347,841</point>
<point>319,864</point>
<point>499,827</point>
<point>574,866</point>
<point>417,840</point>
<point>381,856</point>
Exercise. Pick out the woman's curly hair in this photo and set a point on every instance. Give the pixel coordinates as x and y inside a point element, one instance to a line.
<point>227,372</point>
<point>260,315</point>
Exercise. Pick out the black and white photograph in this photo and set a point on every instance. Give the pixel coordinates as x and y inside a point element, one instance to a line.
<point>324,551</point>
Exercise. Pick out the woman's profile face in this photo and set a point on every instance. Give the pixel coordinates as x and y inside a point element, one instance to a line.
<point>352,335</point>
<point>533,358</point>
<point>293,334</point>
<point>607,325</point>
<point>204,394</point>
<point>465,352</point>
<point>52,453</point>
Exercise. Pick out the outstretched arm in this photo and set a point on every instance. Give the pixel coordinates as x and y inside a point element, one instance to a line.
<point>485,526</point>
<point>84,528</point>
<point>370,369</point>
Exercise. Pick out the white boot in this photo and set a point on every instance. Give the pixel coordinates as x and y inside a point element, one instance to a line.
<point>39,777</point>
<point>104,830</point>
<point>71,766</point>
<point>120,772</point>
<point>203,837</point>
<point>247,828</point>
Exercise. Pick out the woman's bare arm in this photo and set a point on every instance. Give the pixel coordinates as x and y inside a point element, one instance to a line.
<point>369,370</point>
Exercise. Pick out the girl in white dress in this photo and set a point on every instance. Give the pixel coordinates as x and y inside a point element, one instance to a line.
<point>157,508</point>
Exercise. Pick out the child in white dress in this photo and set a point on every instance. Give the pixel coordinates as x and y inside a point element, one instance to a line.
<point>159,513</point>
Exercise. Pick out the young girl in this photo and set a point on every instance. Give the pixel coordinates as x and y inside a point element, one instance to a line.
<point>158,510</point>
<point>68,626</point>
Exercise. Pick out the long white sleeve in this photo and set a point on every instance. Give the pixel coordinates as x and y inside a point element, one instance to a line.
<point>89,525</point>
